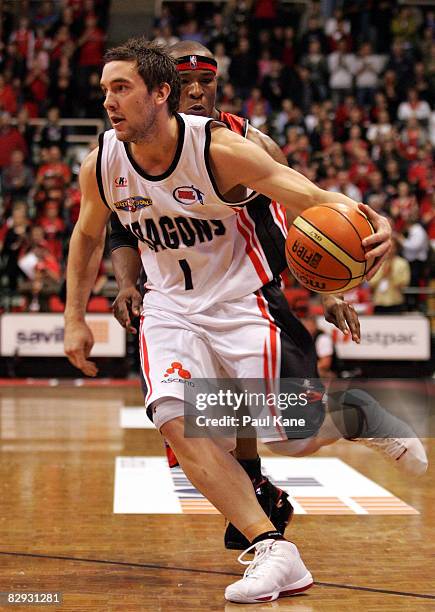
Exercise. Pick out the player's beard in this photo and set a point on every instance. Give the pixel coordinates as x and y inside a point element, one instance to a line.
<point>143,131</point>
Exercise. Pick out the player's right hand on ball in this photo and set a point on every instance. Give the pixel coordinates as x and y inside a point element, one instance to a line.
<point>78,343</point>
<point>127,306</point>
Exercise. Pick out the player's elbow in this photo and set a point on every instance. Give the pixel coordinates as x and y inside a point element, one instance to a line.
<point>85,239</point>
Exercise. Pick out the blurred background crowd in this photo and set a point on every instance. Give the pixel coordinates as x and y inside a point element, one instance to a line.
<point>345,88</point>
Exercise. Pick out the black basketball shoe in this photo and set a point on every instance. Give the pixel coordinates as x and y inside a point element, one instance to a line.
<point>275,504</point>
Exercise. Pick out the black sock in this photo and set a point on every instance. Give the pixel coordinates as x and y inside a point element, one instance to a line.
<point>252,467</point>
<point>268,535</point>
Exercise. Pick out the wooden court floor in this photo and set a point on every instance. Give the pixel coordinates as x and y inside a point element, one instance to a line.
<point>58,531</point>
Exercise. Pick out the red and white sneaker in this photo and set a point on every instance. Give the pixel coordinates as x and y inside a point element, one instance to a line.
<point>276,570</point>
<point>386,433</point>
<point>407,454</point>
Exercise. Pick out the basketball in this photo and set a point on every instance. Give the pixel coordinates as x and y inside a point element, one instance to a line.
<point>324,248</point>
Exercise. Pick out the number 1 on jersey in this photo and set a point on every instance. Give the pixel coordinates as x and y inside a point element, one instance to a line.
<point>187,274</point>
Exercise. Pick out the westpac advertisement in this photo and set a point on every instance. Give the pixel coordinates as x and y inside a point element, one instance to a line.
<point>402,338</point>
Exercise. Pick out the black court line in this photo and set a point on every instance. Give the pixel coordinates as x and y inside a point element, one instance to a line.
<point>204,571</point>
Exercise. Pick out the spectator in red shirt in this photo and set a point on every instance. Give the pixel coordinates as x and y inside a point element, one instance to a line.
<point>252,103</point>
<point>37,83</point>
<point>10,139</point>
<point>343,111</point>
<point>17,177</point>
<point>8,97</point>
<point>24,38</point>
<point>421,171</point>
<point>54,166</point>
<point>265,11</point>
<point>41,267</point>
<point>91,44</point>
<point>411,138</point>
<point>61,39</point>
<point>403,207</point>
<point>355,142</point>
<point>361,169</point>
<point>72,205</point>
<point>427,216</point>
<point>54,228</point>
<point>288,51</point>
<point>340,33</point>
<point>91,48</point>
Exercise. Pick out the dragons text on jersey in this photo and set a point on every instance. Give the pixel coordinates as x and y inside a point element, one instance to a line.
<point>197,248</point>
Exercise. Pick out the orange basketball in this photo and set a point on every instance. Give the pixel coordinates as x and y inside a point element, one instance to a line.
<point>324,250</point>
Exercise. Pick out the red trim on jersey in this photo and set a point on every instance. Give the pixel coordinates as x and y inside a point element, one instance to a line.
<point>240,126</point>
<point>273,333</point>
<point>266,365</point>
<point>249,224</point>
<point>252,254</point>
<point>170,456</point>
<point>144,361</point>
<point>234,122</point>
<point>251,227</point>
<point>281,215</point>
<point>273,344</point>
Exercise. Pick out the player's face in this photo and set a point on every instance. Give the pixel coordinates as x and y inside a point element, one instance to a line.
<point>129,105</point>
<point>198,92</point>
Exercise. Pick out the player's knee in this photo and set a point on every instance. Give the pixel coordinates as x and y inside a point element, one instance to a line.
<point>168,417</point>
<point>226,444</point>
<point>357,398</point>
<point>172,429</point>
<point>295,448</point>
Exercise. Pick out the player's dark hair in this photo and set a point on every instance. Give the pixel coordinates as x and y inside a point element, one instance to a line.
<point>154,65</point>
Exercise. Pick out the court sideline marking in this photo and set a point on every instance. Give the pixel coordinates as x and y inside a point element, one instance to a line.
<point>203,571</point>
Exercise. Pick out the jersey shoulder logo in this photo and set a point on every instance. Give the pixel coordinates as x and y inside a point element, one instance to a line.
<point>188,195</point>
<point>133,203</point>
<point>121,181</point>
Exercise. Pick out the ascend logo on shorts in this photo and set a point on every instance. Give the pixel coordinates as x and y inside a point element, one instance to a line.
<point>188,195</point>
<point>181,375</point>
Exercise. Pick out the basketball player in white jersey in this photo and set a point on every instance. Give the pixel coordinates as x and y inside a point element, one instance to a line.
<point>168,177</point>
<point>198,73</point>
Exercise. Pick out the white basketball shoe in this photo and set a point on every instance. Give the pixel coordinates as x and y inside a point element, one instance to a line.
<point>402,446</point>
<point>276,570</point>
<point>408,454</point>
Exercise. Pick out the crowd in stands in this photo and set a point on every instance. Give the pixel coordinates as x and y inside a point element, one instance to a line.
<point>51,55</point>
<point>348,96</point>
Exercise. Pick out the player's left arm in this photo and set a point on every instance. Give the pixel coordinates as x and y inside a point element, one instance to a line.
<point>335,309</point>
<point>235,160</point>
<point>267,144</point>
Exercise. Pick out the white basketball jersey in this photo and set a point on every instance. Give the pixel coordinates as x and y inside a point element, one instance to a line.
<point>196,248</point>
